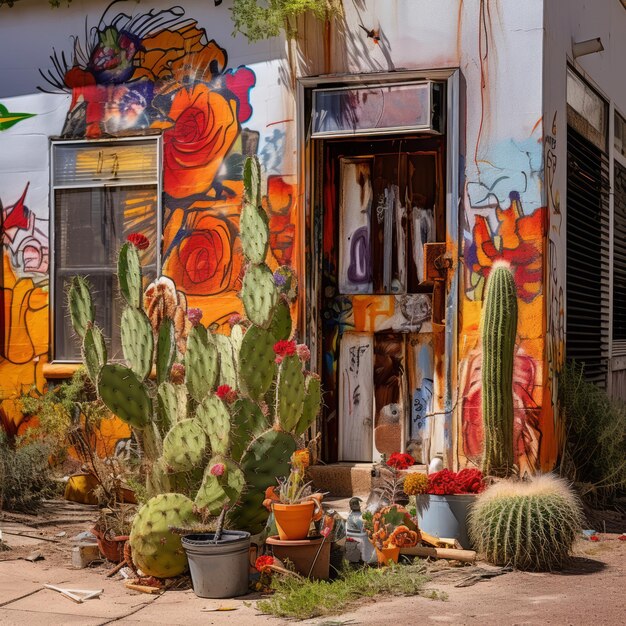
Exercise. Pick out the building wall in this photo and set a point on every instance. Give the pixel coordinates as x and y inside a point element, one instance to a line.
<point>575,21</point>
<point>496,44</point>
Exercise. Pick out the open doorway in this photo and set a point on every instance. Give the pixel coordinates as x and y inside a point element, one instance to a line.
<point>383,291</point>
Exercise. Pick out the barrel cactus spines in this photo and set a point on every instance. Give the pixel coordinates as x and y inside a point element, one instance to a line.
<point>290,392</point>
<point>156,550</point>
<point>222,485</point>
<point>124,395</point>
<point>184,446</point>
<point>201,363</point>
<point>82,312</point>
<point>165,350</point>
<point>530,524</point>
<point>259,295</point>
<point>312,404</point>
<point>137,341</point>
<point>129,275</point>
<point>214,418</point>
<point>256,362</point>
<point>94,353</point>
<point>499,328</point>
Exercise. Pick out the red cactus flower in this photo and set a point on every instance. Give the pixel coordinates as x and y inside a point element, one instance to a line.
<point>400,461</point>
<point>470,480</point>
<point>285,348</point>
<point>140,241</point>
<point>263,562</point>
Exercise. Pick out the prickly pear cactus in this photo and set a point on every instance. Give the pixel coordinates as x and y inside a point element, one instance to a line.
<point>257,367</point>
<point>201,363</point>
<point>94,353</point>
<point>156,550</point>
<point>137,341</point>
<point>124,395</point>
<point>184,445</point>
<point>499,329</point>
<point>81,307</point>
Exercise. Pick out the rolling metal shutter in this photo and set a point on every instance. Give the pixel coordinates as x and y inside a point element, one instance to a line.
<point>588,301</point>
<point>619,260</point>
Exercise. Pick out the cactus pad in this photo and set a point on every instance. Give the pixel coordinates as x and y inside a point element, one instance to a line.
<point>124,395</point>
<point>214,418</point>
<point>184,445</point>
<point>259,295</point>
<point>168,411</point>
<point>257,365</point>
<point>252,180</point>
<point>165,350</point>
<point>280,326</point>
<point>137,341</point>
<point>156,550</point>
<point>312,404</point>
<point>290,392</point>
<point>129,275</point>
<point>254,233</point>
<point>82,312</point>
<point>201,363</point>
<point>248,422</point>
<point>228,373</point>
<point>217,491</point>
<point>94,353</point>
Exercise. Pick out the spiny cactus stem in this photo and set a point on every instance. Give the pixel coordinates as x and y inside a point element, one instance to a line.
<point>220,526</point>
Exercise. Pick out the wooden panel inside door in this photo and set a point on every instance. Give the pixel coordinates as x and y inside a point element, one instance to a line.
<point>381,208</point>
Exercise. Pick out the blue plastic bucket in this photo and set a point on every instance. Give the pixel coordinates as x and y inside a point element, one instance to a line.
<point>445,516</point>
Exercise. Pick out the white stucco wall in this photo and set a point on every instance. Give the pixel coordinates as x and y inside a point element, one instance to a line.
<point>568,22</point>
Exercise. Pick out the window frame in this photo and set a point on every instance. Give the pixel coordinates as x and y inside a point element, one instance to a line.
<point>158,141</point>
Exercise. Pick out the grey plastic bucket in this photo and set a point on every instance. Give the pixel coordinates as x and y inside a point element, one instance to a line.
<point>445,516</point>
<point>218,570</point>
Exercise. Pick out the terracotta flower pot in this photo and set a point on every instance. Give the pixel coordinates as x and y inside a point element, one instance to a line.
<point>293,520</point>
<point>387,554</point>
<point>111,547</point>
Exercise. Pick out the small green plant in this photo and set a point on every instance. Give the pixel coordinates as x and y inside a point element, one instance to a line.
<point>594,446</point>
<point>25,476</point>
<point>528,524</point>
<point>499,328</point>
<point>303,599</point>
<point>261,19</point>
<point>293,489</point>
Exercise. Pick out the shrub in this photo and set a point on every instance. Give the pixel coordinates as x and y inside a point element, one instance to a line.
<point>25,478</point>
<point>530,525</point>
<point>594,451</point>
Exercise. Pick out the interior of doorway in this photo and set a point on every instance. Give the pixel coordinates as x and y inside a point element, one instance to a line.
<point>370,310</point>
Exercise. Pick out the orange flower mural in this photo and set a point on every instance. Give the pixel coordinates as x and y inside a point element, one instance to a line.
<point>203,127</point>
<point>518,239</point>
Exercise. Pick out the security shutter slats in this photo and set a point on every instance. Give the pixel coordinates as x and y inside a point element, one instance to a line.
<point>588,294</point>
<point>619,254</point>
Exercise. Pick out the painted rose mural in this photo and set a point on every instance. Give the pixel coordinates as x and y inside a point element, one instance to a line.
<point>158,72</point>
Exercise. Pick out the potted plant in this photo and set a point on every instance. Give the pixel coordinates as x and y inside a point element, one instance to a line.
<point>391,526</point>
<point>443,500</point>
<point>293,504</point>
<point>390,529</point>
<point>112,530</point>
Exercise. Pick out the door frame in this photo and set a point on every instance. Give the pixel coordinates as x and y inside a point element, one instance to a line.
<point>309,318</point>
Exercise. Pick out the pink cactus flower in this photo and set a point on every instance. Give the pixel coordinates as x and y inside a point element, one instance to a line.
<point>218,469</point>
<point>194,315</point>
<point>303,352</point>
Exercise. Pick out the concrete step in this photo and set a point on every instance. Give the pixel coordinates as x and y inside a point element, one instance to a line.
<point>344,480</point>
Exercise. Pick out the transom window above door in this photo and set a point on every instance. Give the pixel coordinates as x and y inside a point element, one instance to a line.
<point>101,192</point>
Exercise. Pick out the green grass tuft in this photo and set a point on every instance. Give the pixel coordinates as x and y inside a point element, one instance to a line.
<point>303,600</point>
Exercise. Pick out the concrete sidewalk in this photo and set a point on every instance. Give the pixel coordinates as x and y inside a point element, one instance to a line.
<point>24,600</point>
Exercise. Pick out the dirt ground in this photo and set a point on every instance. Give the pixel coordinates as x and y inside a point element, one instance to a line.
<point>589,591</point>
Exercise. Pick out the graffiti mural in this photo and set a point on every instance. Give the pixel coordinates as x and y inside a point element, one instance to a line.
<point>142,72</point>
<point>158,72</point>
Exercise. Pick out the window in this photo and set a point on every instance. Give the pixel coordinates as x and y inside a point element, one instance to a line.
<point>101,192</point>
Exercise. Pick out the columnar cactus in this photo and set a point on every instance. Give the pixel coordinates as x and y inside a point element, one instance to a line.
<point>222,447</point>
<point>499,328</point>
